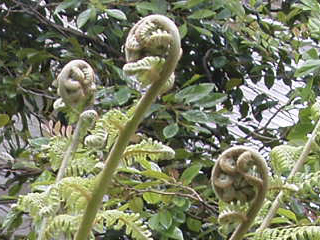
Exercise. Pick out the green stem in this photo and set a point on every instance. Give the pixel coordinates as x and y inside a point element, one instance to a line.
<point>113,160</point>
<point>299,164</point>
<point>81,127</point>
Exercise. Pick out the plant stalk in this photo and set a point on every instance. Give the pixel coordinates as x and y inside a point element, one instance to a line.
<point>298,165</point>
<point>114,157</point>
<point>81,125</point>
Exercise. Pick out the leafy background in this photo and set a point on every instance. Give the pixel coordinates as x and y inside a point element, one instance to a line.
<point>227,46</point>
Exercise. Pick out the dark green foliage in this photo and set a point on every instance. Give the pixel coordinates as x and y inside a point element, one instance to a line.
<point>227,46</point>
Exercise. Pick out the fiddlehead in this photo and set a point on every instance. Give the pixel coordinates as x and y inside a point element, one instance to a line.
<point>76,85</point>
<point>147,48</point>
<point>240,176</point>
<point>141,43</point>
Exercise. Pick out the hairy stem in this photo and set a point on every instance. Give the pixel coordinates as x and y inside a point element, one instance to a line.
<point>112,162</point>
<point>298,165</point>
<point>80,129</point>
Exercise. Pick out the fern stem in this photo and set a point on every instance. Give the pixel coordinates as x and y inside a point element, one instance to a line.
<point>113,159</point>
<point>71,149</point>
<point>298,165</point>
<point>80,129</point>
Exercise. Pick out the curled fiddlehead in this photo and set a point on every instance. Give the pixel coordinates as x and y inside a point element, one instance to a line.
<point>76,85</point>
<point>153,36</point>
<point>147,48</point>
<point>240,175</point>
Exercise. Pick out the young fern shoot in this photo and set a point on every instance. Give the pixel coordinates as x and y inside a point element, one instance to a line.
<point>155,37</point>
<point>240,176</point>
<point>76,86</point>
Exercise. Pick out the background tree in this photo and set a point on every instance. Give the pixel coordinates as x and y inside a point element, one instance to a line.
<point>227,45</point>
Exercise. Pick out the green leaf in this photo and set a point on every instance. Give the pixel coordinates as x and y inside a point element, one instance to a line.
<point>194,224</point>
<point>196,116</point>
<point>4,119</point>
<point>233,82</point>
<point>123,95</point>
<point>195,92</point>
<point>193,3</point>
<point>117,14</point>
<point>156,174</point>
<point>170,130</point>
<point>203,13</point>
<point>151,198</point>
<point>175,233</point>
<point>183,30</point>
<point>236,7</point>
<point>84,17</point>
<point>64,5</point>
<point>211,100</point>
<point>154,6</point>
<point>38,142</point>
<point>190,173</point>
<point>165,218</point>
<point>13,220</point>
<point>203,31</point>
<point>193,79</point>
<point>154,222</point>
<point>288,214</point>
<point>309,66</point>
<point>136,204</point>
<point>14,189</point>
<point>219,62</point>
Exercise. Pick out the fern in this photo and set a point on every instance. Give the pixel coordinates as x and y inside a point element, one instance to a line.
<point>82,164</point>
<point>290,233</point>
<point>118,219</point>
<point>38,205</point>
<point>148,148</point>
<point>283,158</point>
<point>74,192</point>
<point>309,183</point>
<point>54,151</point>
<point>107,129</point>
<point>63,225</point>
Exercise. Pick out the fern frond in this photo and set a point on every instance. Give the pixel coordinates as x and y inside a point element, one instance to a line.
<point>145,69</point>
<point>75,192</point>
<point>63,226</point>
<point>118,219</point>
<point>107,129</point>
<point>148,148</point>
<point>283,158</point>
<point>38,205</point>
<point>291,233</point>
<point>55,151</point>
<point>81,164</point>
<point>309,183</point>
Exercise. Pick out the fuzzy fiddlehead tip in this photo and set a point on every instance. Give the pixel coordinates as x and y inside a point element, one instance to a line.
<point>76,85</point>
<point>147,48</point>
<point>240,175</point>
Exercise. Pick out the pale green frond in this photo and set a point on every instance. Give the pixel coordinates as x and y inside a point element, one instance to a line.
<point>97,139</point>
<point>38,205</point>
<point>63,227</point>
<point>290,233</point>
<point>131,221</point>
<point>55,151</point>
<point>148,149</point>
<point>75,192</point>
<point>82,164</point>
<point>107,129</point>
<point>283,158</point>
<point>145,70</point>
<point>309,183</point>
